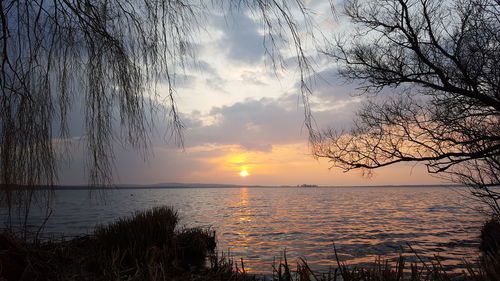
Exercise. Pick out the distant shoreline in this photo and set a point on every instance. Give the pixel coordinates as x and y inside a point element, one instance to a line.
<point>180,186</point>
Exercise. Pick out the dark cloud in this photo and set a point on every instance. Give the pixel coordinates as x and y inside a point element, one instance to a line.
<point>241,38</point>
<point>193,120</point>
<point>213,79</point>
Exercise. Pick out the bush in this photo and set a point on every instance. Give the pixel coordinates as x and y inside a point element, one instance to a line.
<point>139,238</point>
<point>490,248</point>
<point>149,240</point>
<point>490,238</point>
<point>193,245</point>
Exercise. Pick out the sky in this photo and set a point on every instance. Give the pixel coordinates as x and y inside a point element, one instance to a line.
<point>244,122</point>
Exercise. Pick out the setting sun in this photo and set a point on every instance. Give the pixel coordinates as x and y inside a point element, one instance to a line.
<point>244,172</point>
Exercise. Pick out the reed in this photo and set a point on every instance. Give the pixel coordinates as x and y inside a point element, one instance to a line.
<point>486,269</point>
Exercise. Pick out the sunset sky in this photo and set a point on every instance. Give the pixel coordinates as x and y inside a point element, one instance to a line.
<point>244,122</point>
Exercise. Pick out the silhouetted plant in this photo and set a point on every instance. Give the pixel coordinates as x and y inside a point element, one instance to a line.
<point>193,245</point>
<point>144,235</point>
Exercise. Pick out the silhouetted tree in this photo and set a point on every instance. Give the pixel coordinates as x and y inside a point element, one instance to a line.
<point>111,55</point>
<point>440,63</point>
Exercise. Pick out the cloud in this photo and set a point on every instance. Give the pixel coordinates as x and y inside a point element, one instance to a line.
<point>252,124</point>
<point>211,75</point>
<point>264,135</point>
<point>241,40</point>
<point>216,83</point>
<point>184,81</point>
<point>329,86</point>
<point>205,67</point>
<point>257,146</point>
<point>259,124</point>
<point>252,77</point>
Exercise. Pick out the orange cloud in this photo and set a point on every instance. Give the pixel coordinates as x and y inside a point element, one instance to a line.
<point>291,164</point>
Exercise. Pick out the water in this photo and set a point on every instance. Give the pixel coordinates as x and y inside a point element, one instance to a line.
<point>258,224</point>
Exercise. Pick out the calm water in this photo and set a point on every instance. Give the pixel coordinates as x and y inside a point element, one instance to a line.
<point>257,224</point>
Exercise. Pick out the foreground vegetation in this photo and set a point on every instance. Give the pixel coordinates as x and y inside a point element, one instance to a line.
<point>150,246</point>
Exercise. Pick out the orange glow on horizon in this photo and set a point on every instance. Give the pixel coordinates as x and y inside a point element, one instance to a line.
<point>288,164</point>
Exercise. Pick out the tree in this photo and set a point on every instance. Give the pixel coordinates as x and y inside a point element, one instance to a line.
<point>110,54</point>
<point>441,62</point>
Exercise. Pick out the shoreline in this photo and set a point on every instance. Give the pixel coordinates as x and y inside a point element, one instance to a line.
<point>187,186</point>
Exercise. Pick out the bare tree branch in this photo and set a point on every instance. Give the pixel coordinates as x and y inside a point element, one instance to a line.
<point>442,62</point>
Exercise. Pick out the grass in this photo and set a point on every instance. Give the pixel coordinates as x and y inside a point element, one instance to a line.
<point>150,246</point>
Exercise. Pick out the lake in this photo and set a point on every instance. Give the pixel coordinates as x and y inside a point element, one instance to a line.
<point>258,224</point>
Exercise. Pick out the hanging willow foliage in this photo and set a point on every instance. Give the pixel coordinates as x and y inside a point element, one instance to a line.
<point>112,55</point>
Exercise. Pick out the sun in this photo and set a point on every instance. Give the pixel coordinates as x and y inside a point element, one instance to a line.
<point>244,172</point>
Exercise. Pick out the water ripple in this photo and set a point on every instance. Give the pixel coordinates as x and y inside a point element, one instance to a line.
<point>258,224</point>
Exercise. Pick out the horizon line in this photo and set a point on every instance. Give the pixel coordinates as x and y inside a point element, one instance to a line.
<point>217,185</point>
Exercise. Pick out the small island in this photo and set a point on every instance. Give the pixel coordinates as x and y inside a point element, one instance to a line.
<point>307,185</point>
